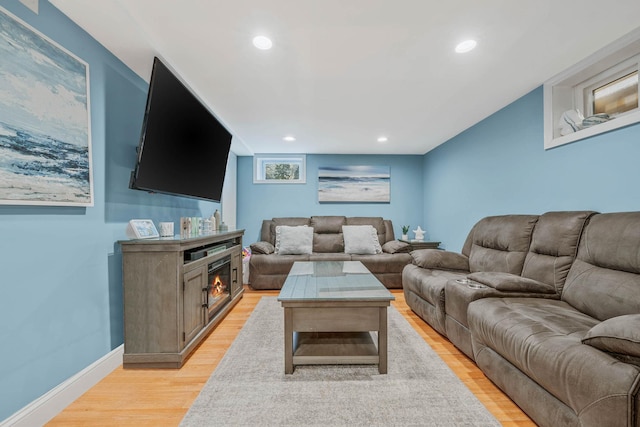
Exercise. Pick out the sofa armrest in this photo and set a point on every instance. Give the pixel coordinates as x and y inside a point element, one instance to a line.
<point>440,260</point>
<point>262,248</point>
<point>507,282</point>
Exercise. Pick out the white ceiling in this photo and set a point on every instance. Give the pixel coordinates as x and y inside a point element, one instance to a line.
<point>343,72</point>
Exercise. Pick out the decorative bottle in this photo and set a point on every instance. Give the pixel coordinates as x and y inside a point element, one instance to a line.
<point>216,215</point>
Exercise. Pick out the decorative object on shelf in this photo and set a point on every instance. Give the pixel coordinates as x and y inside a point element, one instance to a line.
<point>354,184</point>
<point>570,121</point>
<point>44,120</point>
<point>596,119</point>
<point>185,226</point>
<point>405,232</point>
<point>216,215</point>
<point>166,229</point>
<point>419,234</point>
<point>141,229</point>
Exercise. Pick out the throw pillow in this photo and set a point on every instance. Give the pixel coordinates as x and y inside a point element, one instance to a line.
<point>262,248</point>
<point>618,335</point>
<point>361,239</point>
<point>396,246</point>
<point>295,240</point>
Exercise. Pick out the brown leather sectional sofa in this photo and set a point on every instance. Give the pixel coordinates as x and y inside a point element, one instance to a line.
<point>268,270</point>
<point>548,307</point>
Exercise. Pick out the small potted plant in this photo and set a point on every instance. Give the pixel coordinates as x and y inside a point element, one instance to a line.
<point>405,232</point>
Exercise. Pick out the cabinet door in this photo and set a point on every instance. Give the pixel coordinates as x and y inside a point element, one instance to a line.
<point>236,273</point>
<point>193,311</point>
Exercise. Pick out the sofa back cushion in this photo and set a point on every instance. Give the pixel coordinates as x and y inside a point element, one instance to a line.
<point>327,237</point>
<point>554,245</point>
<point>268,232</point>
<point>604,280</point>
<point>500,243</point>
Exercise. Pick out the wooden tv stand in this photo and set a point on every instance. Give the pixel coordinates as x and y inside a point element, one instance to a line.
<point>165,295</point>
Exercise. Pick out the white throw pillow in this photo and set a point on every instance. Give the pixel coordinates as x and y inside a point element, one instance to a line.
<point>296,240</point>
<point>361,239</point>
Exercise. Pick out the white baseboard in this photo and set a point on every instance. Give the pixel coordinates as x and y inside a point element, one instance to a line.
<point>50,404</point>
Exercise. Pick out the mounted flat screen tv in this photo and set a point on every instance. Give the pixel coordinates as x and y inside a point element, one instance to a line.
<point>183,148</point>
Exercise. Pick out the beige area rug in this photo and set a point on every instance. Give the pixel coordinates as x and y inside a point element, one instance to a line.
<point>249,387</point>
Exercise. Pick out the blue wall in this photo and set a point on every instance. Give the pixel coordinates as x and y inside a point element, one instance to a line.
<point>60,281</point>
<point>264,201</point>
<point>499,166</point>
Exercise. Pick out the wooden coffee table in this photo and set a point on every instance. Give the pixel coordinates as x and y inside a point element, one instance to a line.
<point>330,310</point>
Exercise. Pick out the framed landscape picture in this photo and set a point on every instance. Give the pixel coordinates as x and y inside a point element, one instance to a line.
<point>363,184</point>
<point>45,137</point>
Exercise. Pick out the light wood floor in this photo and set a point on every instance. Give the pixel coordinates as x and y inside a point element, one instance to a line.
<point>161,397</point>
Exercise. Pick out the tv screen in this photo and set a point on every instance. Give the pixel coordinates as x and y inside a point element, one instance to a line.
<point>183,148</point>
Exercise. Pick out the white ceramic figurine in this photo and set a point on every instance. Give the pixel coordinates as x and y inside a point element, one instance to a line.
<point>419,233</point>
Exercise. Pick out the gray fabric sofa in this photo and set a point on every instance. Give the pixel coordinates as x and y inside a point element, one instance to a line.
<point>562,337</point>
<point>268,270</point>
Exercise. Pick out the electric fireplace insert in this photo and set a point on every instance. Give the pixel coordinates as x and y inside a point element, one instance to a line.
<point>218,289</point>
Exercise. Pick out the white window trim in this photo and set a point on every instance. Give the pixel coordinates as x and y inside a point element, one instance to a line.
<point>561,92</point>
<point>259,160</point>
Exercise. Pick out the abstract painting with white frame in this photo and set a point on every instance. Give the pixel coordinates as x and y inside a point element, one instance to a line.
<point>45,137</point>
<point>361,184</point>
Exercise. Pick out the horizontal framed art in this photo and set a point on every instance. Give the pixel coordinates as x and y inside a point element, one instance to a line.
<point>279,169</point>
<point>45,137</point>
<point>356,184</point>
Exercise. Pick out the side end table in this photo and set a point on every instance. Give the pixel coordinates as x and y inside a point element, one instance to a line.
<point>421,244</point>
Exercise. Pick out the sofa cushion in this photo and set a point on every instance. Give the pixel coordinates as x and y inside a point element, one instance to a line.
<point>500,243</point>
<point>360,239</point>
<point>262,248</point>
<point>327,236</point>
<point>328,224</point>
<point>316,256</point>
<point>396,246</point>
<point>543,339</point>
<point>441,260</point>
<point>294,240</point>
<point>619,335</point>
<point>604,279</point>
<point>554,245</point>
<point>328,243</point>
<point>383,263</point>
<point>507,282</point>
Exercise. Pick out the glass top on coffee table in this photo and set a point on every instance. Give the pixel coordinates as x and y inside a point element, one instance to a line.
<point>332,281</point>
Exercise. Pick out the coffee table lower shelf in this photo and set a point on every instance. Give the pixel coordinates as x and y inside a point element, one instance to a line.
<point>335,348</point>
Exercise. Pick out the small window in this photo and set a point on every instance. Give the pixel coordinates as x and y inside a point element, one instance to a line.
<point>617,97</point>
<point>597,95</point>
<point>279,169</point>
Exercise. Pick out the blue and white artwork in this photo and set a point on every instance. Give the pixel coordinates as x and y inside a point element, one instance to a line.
<point>45,147</point>
<point>354,184</point>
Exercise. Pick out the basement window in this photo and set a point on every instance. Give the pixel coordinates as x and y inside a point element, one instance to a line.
<point>616,97</point>
<point>597,95</point>
<point>279,169</point>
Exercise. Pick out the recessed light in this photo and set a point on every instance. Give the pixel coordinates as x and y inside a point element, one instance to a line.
<point>383,139</point>
<point>289,138</point>
<point>262,42</point>
<point>466,46</point>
